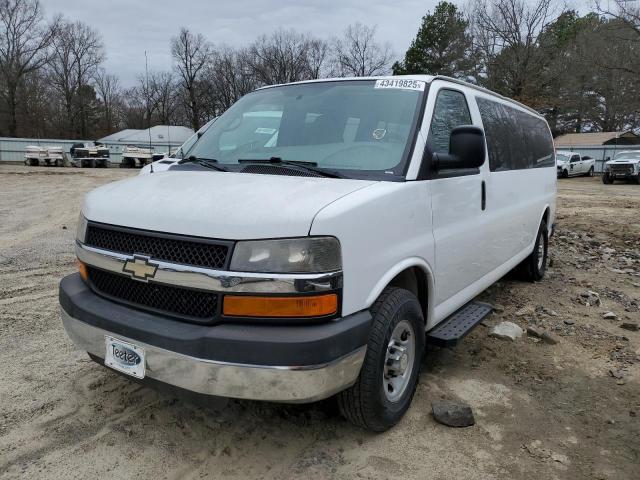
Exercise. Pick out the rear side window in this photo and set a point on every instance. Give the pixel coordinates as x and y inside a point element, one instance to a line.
<point>515,140</point>
<point>450,111</point>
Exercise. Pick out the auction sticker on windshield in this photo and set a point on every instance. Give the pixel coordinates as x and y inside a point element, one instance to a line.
<point>401,83</point>
<point>124,357</point>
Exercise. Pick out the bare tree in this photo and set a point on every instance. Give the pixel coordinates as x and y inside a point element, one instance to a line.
<point>24,42</point>
<point>88,52</point>
<point>77,53</point>
<point>228,77</point>
<point>317,58</point>
<point>110,96</point>
<point>358,54</point>
<point>627,11</point>
<point>191,52</point>
<point>159,93</point>
<point>506,33</point>
<point>286,56</point>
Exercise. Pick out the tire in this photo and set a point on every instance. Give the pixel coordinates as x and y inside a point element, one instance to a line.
<point>606,179</point>
<point>534,267</point>
<point>565,174</point>
<point>589,173</point>
<point>370,402</point>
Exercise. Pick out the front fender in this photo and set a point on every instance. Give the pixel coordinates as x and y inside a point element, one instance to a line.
<point>382,229</point>
<point>395,271</point>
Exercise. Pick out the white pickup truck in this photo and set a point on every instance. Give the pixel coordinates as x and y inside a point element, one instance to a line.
<point>571,164</point>
<point>314,240</point>
<point>624,166</point>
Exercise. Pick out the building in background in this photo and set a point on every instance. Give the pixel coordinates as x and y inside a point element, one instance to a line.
<point>163,139</point>
<point>599,145</point>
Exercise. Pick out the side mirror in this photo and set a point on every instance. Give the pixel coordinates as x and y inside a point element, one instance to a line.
<point>466,149</point>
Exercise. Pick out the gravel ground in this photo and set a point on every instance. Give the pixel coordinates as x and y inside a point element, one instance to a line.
<point>569,410</point>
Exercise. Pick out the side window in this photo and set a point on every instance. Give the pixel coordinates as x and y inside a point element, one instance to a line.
<point>450,111</point>
<point>515,139</point>
<point>575,159</point>
<point>497,129</point>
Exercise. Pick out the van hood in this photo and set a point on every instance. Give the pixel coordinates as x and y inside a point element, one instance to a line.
<point>225,205</point>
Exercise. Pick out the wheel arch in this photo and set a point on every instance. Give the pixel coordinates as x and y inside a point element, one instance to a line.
<point>413,274</point>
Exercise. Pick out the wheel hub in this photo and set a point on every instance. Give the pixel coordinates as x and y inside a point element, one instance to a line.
<point>399,360</point>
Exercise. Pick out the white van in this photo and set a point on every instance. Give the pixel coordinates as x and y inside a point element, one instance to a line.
<point>318,252</point>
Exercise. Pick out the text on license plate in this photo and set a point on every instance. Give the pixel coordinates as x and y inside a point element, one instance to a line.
<point>124,357</point>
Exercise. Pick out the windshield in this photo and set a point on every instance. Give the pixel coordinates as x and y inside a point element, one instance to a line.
<point>188,144</point>
<point>357,126</point>
<point>561,158</point>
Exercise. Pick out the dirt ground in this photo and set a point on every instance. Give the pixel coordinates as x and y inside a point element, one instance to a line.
<point>564,411</point>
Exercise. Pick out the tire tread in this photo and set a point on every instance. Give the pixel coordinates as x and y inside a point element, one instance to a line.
<point>352,401</point>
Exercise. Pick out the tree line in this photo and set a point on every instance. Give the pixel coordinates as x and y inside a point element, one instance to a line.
<point>581,71</point>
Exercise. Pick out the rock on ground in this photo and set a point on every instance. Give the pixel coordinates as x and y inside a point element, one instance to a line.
<point>550,338</point>
<point>506,331</point>
<point>452,414</point>
<point>633,327</point>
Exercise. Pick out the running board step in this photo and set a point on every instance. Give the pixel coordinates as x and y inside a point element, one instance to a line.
<point>451,330</point>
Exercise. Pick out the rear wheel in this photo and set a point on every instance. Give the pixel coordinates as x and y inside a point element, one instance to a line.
<point>607,179</point>
<point>534,266</point>
<point>590,172</point>
<point>389,375</point>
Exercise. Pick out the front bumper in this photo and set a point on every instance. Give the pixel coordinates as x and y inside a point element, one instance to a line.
<point>622,172</point>
<point>279,363</point>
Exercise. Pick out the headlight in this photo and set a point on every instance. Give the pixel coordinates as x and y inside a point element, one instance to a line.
<point>292,255</point>
<point>81,231</point>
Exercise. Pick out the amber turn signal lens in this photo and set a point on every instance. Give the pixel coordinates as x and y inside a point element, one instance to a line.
<point>82,268</point>
<point>307,306</point>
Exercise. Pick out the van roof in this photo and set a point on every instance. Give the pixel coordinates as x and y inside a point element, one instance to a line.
<point>424,78</point>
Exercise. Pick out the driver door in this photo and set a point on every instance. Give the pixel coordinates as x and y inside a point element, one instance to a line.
<point>575,165</point>
<point>457,201</point>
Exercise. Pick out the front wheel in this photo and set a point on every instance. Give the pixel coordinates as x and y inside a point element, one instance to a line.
<point>389,375</point>
<point>607,179</point>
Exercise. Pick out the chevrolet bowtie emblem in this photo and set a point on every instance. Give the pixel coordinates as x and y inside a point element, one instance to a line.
<point>140,268</point>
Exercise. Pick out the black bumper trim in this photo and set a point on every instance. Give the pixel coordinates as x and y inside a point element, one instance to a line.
<point>269,345</point>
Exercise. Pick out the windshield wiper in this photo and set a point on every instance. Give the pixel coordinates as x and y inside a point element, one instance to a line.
<point>301,164</point>
<point>205,162</point>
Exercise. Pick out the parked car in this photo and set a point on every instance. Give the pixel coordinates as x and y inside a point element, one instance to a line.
<point>318,253</point>
<point>570,164</point>
<point>624,166</point>
<point>168,161</point>
<point>89,154</point>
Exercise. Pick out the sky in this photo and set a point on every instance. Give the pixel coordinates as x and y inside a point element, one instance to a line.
<point>129,27</point>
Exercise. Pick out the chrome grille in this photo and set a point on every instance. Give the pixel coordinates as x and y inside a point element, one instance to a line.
<point>167,247</point>
<point>621,169</point>
<point>187,304</point>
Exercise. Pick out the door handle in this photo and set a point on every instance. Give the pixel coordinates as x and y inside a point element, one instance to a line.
<point>483,186</point>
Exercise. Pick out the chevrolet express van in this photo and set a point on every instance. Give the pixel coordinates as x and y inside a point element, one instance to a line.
<point>314,240</point>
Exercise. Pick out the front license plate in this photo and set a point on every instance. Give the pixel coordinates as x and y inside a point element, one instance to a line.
<point>124,357</point>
